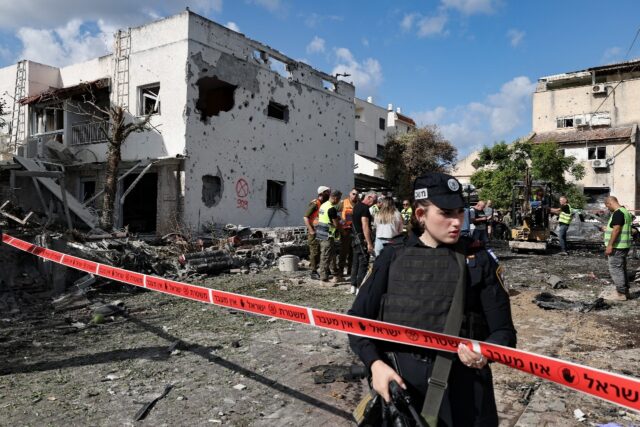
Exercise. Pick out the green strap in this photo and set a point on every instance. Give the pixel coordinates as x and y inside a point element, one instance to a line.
<point>442,365</point>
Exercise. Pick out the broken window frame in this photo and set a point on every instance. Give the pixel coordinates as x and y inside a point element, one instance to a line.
<point>380,151</point>
<point>597,153</point>
<point>276,107</point>
<point>56,124</point>
<point>275,194</point>
<point>209,184</point>
<point>382,123</point>
<point>83,196</point>
<point>145,93</point>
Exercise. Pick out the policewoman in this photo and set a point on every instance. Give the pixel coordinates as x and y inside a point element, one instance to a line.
<point>436,281</point>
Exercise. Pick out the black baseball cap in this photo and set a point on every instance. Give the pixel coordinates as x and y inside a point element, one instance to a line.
<point>441,189</point>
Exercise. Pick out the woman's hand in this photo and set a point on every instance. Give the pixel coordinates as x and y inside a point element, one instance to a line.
<point>382,374</point>
<point>471,358</point>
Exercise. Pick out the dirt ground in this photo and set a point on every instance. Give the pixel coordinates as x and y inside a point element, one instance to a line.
<point>60,364</point>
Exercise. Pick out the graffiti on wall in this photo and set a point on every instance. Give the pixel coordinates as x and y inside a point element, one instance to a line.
<point>242,191</point>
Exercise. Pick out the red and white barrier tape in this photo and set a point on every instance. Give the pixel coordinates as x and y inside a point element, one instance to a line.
<point>619,389</point>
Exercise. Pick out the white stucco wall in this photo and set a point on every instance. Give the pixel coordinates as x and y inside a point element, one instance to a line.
<point>367,129</point>
<point>621,176</point>
<point>245,146</point>
<point>622,106</point>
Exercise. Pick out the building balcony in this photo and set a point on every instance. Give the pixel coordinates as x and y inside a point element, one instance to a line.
<point>89,133</point>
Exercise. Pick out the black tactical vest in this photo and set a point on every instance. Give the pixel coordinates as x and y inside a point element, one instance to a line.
<point>420,289</point>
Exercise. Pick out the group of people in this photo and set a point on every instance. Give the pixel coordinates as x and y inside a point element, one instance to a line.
<point>344,234</point>
<point>617,240</point>
<point>433,275</point>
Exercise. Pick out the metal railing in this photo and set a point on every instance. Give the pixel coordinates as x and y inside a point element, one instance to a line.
<point>89,133</point>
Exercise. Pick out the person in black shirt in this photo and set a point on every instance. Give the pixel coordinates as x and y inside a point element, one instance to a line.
<point>415,283</point>
<point>362,241</point>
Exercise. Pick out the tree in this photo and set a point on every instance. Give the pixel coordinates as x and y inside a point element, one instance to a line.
<point>3,111</point>
<point>500,166</point>
<point>119,129</point>
<point>411,154</point>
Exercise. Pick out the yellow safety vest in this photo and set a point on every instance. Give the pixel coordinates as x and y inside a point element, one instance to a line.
<point>325,228</point>
<point>624,238</point>
<point>565,218</point>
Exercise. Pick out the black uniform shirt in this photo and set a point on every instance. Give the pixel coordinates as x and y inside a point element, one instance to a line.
<point>484,290</point>
<point>360,210</point>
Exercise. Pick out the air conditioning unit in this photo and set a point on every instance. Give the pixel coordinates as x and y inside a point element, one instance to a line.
<point>579,120</point>
<point>599,88</point>
<point>599,164</point>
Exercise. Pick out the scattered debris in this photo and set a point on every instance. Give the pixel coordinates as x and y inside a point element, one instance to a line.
<point>553,302</point>
<point>239,387</point>
<point>579,415</point>
<point>556,282</point>
<point>142,413</point>
<point>325,374</point>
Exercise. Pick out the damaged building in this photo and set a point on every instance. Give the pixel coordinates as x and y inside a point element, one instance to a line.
<point>238,132</point>
<point>373,125</point>
<point>593,115</point>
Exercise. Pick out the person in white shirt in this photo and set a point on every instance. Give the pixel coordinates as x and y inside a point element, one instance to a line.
<point>388,224</point>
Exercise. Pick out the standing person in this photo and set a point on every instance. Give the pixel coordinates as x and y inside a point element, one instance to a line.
<point>489,214</point>
<point>564,220</point>
<point>388,224</point>
<point>327,232</point>
<point>617,239</point>
<point>346,213</point>
<point>406,213</point>
<point>479,220</point>
<point>375,208</point>
<point>311,221</point>
<point>362,241</point>
<point>432,281</point>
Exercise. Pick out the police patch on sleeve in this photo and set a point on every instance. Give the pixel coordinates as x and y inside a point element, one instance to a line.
<point>495,258</point>
<point>500,277</point>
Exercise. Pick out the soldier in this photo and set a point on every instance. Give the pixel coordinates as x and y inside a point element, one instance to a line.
<point>434,281</point>
<point>311,221</point>
<point>327,232</point>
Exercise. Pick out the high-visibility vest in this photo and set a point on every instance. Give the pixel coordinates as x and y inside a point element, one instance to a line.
<point>406,215</point>
<point>313,218</point>
<point>565,218</point>
<point>325,227</point>
<point>624,238</point>
<point>347,213</point>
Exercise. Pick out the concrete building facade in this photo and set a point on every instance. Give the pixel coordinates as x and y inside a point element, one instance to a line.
<point>240,132</point>
<point>373,125</point>
<point>593,115</point>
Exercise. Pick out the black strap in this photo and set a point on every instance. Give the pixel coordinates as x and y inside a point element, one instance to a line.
<point>443,361</point>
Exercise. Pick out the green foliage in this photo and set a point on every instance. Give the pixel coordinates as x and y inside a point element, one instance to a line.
<point>411,154</point>
<point>500,166</point>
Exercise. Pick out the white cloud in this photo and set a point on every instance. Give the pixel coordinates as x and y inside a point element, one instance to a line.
<point>39,14</point>
<point>365,75</point>
<point>475,124</point>
<point>471,7</point>
<point>316,45</point>
<point>233,26</point>
<point>365,42</point>
<point>426,25</point>
<point>314,19</point>
<point>432,25</point>
<point>515,36</point>
<point>407,22</point>
<point>270,5</point>
<point>64,45</point>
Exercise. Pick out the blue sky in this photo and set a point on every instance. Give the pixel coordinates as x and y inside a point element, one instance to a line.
<point>468,66</point>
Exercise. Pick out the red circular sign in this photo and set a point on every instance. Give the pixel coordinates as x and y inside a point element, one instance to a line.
<point>242,188</point>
